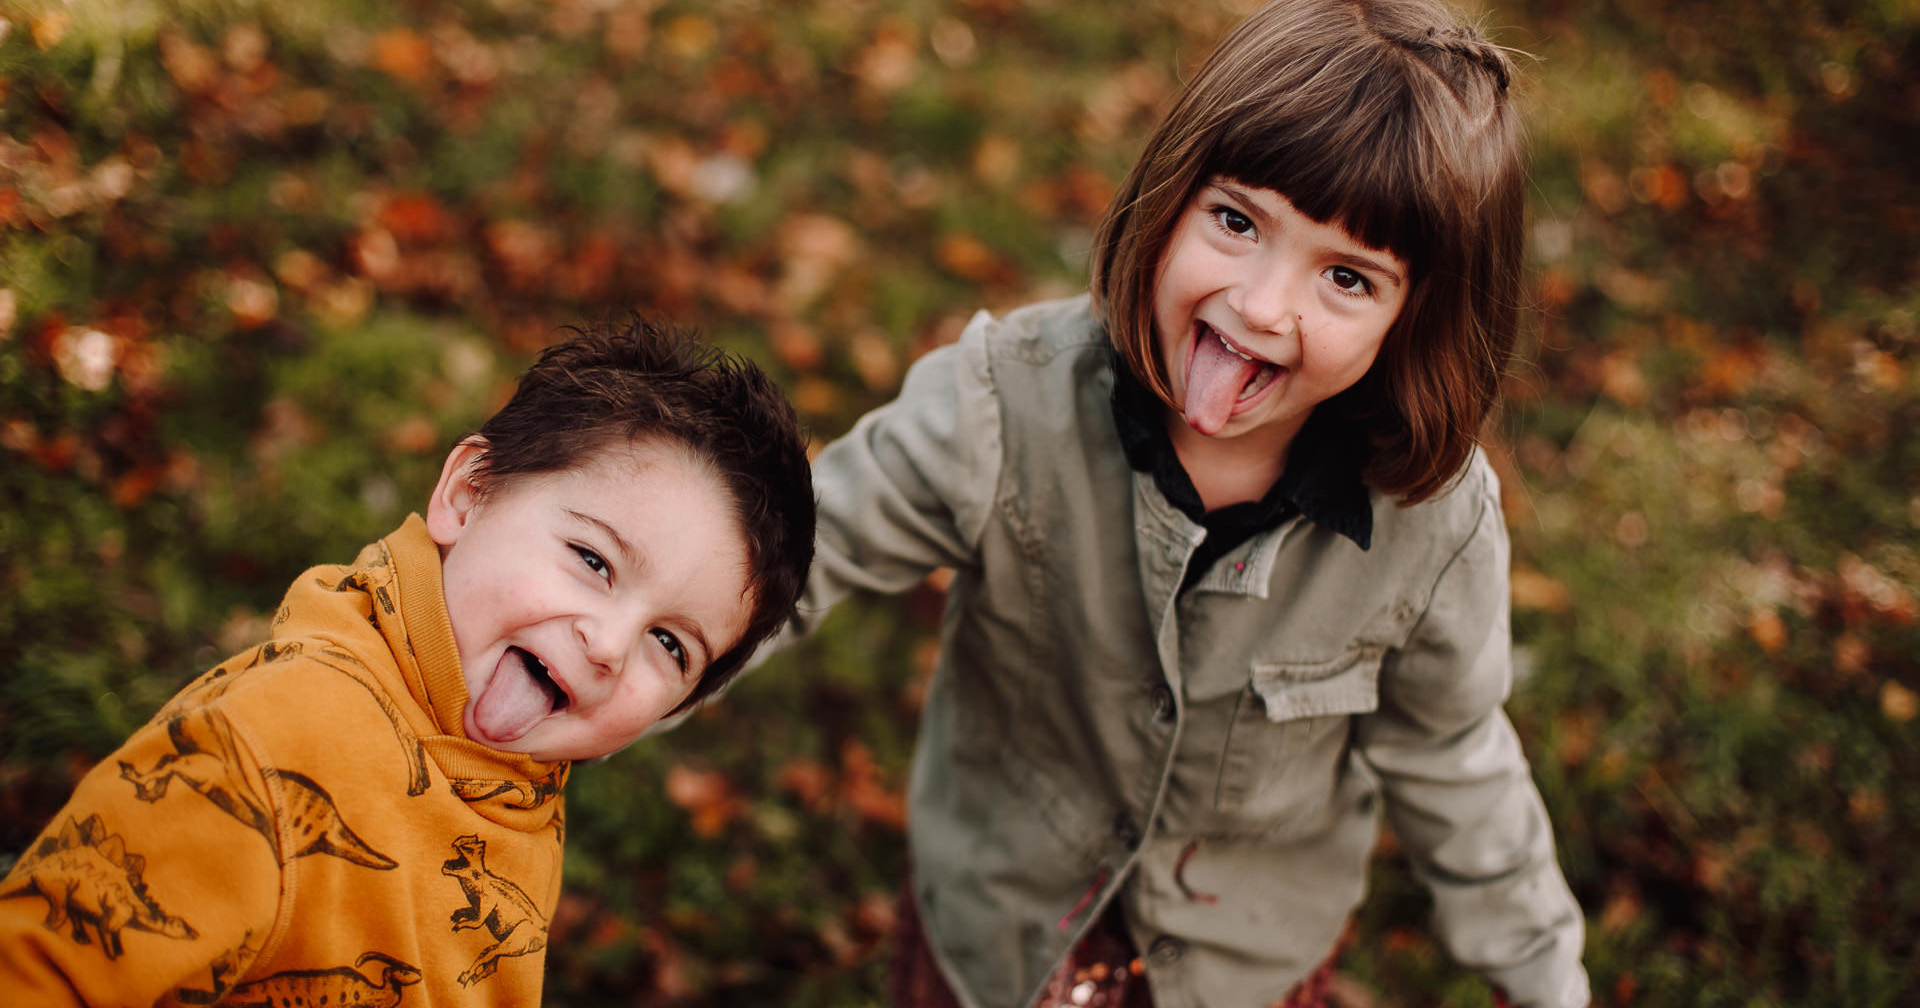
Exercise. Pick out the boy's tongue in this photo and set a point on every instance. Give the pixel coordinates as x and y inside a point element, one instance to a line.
<point>512,702</point>
<point>1215,378</point>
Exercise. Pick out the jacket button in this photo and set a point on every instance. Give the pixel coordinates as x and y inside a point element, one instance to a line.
<point>1163,706</point>
<point>1166,950</point>
<point>1126,832</point>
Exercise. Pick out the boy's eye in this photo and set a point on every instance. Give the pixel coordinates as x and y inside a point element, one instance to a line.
<point>1349,280</point>
<point>594,562</point>
<point>1233,220</point>
<point>672,645</point>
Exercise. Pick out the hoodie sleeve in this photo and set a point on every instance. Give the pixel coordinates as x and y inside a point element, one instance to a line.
<point>157,880</point>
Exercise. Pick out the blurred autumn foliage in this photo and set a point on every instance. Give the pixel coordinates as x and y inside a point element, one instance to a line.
<point>261,261</point>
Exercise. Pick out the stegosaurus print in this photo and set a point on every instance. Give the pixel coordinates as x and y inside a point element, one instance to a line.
<point>339,987</point>
<point>504,909</point>
<point>93,887</point>
<point>206,760</point>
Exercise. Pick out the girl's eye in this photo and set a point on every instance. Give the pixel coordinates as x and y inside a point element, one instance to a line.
<point>594,562</point>
<point>1349,280</point>
<point>672,646</point>
<point>1233,220</point>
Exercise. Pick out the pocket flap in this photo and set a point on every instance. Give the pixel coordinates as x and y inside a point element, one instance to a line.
<point>1349,684</point>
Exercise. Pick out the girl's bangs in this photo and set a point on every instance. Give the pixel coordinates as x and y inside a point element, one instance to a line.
<point>1351,166</point>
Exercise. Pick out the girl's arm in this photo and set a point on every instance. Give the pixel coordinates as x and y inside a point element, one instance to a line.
<point>1460,795</point>
<point>908,489</point>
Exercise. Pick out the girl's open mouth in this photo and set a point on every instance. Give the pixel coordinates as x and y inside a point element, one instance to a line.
<point>1220,376</point>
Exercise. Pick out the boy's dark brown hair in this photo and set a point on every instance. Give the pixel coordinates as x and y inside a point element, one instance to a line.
<point>609,385</point>
<point>1392,119</point>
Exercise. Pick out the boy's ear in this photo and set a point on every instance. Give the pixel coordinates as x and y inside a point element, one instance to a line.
<point>455,496</point>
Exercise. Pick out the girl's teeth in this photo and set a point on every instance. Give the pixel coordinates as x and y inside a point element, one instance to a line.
<point>1231,348</point>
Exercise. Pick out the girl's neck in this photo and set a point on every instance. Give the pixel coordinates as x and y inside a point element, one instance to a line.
<point>1232,470</point>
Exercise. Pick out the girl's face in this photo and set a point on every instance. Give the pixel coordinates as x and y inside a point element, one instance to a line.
<point>1261,314</point>
<point>586,604</point>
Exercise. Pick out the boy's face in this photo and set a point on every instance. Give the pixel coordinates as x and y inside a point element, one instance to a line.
<point>1263,313</point>
<point>586,604</point>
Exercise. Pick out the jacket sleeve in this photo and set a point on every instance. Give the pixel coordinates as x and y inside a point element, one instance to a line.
<point>1459,793</point>
<point>909,488</point>
<point>150,883</point>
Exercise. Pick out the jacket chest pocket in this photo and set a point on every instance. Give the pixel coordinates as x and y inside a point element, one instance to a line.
<point>1285,709</point>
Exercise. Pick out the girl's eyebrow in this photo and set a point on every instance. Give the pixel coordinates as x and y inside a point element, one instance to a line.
<point>1360,259</point>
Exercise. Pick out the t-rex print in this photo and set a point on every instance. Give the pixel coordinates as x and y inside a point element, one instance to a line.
<point>339,987</point>
<point>91,882</point>
<point>504,909</point>
<point>205,759</point>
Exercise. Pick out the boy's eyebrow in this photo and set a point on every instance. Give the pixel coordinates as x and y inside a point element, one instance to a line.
<point>1364,261</point>
<point>706,648</point>
<point>619,541</point>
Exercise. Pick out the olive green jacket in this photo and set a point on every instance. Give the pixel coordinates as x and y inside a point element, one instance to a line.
<point>1212,761</point>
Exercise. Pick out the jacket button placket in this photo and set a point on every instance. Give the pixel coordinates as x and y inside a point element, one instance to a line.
<point>1164,707</point>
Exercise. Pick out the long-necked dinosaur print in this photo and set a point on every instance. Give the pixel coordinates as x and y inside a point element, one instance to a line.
<point>514,794</point>
<point>205,760</point>
<point>93,887</point>
<point>339,987</point>
<point>410,746</point>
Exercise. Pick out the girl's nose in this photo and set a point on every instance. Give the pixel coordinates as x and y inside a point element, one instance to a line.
<point>1266,306</point>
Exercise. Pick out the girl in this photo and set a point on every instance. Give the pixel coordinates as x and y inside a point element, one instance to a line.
<point>1231,575</point>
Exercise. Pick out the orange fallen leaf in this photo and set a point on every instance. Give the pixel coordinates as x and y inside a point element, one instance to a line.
<point>1532,589</point>
<point>415,218</point>
<point>969,257</point>
<point>1768,630</point>
<point>1898,703</point>
<point>402,54</point>
<point>706,795</point>
<point>808,780</point>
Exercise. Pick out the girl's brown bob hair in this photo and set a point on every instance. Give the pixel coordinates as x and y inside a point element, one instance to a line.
<point>1391,118</point>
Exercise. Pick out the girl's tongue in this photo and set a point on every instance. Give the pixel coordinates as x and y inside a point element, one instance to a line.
<point>1216,379</point>
<point>516,697</point>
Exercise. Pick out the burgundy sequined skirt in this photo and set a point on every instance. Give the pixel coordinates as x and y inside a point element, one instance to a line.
<point>1102,971</point>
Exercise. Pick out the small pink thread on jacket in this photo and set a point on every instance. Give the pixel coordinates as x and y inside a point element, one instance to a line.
<point>1180,876</point>
<point>1086,898</point>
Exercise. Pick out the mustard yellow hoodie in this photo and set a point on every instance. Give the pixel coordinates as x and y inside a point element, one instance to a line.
<point>305,824</point>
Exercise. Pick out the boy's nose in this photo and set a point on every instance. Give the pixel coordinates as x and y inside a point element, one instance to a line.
<point>606,642</point>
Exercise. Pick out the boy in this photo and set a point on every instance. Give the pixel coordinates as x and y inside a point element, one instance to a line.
<point>370,799</point>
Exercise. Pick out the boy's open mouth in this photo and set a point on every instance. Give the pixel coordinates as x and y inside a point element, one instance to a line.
<point>556,699</point>
<point>516,697</point>
<point>1220,376</point>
